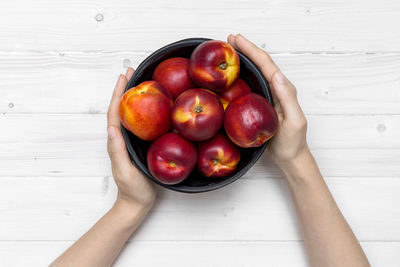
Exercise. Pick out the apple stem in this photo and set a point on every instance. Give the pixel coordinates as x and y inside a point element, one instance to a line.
<point>172,164</point>
<point>223,65</point>
<point>198,109</point>
<point>215,161</point>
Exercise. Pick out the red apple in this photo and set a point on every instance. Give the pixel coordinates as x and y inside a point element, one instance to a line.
<point>145,110</point>
<point>197,114</point>
<point>214,65</point>
<point>218,157</point>
<point>173,75</point>
<point>250,120</point>
<point>171,158</point>
<point>238,88</point>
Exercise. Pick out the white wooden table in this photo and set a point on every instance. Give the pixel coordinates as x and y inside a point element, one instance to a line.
<point>59,61</point>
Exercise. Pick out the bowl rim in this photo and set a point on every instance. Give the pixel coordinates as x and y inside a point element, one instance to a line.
<point>131,151</point>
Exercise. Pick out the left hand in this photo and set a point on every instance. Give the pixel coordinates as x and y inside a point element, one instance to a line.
<point>289,143</point>
<point>134,189</point>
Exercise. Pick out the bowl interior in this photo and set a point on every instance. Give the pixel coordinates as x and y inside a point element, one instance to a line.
<point>137,148</point>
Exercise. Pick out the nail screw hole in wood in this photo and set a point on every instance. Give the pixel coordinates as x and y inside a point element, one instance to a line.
<point>99,17</point>
<point>381,127</point>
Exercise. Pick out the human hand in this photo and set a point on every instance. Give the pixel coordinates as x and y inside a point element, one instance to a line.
<point>316,208</point>
<point>134,190</point>
<point>289,143</point>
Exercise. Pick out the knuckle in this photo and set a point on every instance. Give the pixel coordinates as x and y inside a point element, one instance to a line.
<point>273,76</point>
<point>264,57</point>
<point>110,115</point>
<point>300,124</point>
<point>304,124</point>
<point>294,91</point>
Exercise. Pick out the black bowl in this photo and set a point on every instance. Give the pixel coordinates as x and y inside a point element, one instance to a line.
<point>196,182</point>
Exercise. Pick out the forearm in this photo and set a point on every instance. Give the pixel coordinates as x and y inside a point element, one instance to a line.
<point>103,242</point>
<point>327,236</point>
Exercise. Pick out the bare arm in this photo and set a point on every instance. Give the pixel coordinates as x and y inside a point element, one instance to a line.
<point>328,238</point>
<point>103,242</point>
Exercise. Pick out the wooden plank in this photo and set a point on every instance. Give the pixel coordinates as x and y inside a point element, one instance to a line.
<point>250,209</point>
<point>373,132</point>
<point>199,254</point>
<point>75,145</point>
<point>58,83</point>
<point>339,131</point>
<point>355,25</point>
<point>50,82</point>
<point>82,159</point>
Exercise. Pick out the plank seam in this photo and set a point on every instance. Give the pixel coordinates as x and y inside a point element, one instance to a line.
<point>300,52</point>
<point>307,114</point>
<point>198,241</point>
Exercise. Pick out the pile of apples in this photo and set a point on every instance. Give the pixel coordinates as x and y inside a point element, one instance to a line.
<point>186,105</point>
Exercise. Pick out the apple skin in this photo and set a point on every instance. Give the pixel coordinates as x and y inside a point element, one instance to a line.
<point>173,75</point>
<point>250,120</point>
<point>171,158</point>
<point>218,156</point>
<point>238,88</point>
<point>214,65</point>
<point>197,114</point>
<point>145,110</point>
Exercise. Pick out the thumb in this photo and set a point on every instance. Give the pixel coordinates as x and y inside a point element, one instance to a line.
<point>119,156</point>
<point>285,92</point>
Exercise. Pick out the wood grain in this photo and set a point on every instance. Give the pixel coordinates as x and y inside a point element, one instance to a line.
<point>355,25</point>
<point>199,254</point>
<point>59,61</point>
<point>250,209</point>
<point>82,82</point>
<point>75,145</point>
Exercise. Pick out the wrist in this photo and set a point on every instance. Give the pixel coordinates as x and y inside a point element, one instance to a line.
<point>297,167</point>
<point>130,213</point>
<point>291,159</point>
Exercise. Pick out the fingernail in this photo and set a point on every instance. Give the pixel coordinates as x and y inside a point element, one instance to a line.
<point>128,70</point>
<point>280,78</point>
<point>111,132</point>
<point>239,34</point>
<point>120,79</point>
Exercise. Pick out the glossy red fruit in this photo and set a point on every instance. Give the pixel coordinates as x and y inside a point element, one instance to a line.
<point>171,158</point>
<point>197,114</point>
<point>238,88</point>
<point>214,65</point>
<point>250,120</point>
<point>173,75</point>
<point>145,110</point>
<point>218,157</point>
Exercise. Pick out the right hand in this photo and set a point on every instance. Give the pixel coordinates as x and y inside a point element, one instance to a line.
<point>289,143</point>
<point>135,191</point>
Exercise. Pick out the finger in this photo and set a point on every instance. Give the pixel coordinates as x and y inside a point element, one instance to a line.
<point>285,93</point>
<point>113,109</point>
<point>129,73</point>
<point>257,55</point>
<point>120,161</point>
<point>231,40</point>
<point>275,100</point>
